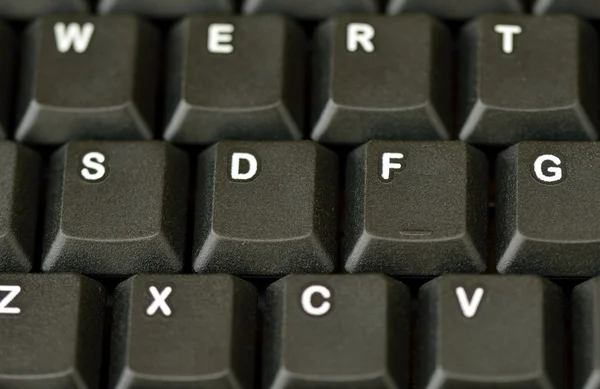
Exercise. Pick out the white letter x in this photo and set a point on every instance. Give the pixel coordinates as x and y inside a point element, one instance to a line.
<point>160,301</point>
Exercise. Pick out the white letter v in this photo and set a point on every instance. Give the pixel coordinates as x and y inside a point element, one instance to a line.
<point>469,308</point>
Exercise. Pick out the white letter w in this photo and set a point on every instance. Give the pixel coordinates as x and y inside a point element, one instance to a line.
<point>74,35</point>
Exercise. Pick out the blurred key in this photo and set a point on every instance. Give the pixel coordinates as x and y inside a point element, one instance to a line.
<point>164,9</point>
<point>266,209</point>
<point>339,331</point>
<point>28,9</point>
<point>455,9</point>
<point>51,331</point>
<point>586,335</point>
<point>180,332</point>
<point>310,9</point>
<point>528,78</point>
<point>235,78</point>
<point>7,74</point>
<point>19,183</point>
<point>583,8</point>
<point>381,77</point>
<point>86,77</point>
<point>116,208</point>
<point>502,332</point>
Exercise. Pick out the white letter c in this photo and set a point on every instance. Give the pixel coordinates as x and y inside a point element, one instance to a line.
<point>307,304</point>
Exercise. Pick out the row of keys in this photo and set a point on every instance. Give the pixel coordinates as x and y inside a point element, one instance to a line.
<point>375,77</point>
<point>271,208</point>
<point>308,9</point>
<point>319,332</point>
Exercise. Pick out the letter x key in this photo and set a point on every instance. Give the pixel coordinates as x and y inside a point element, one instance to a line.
<point>183,331</point>
<point>159,301</point>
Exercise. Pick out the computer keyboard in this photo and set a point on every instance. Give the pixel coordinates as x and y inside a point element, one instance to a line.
<point>302,194</point>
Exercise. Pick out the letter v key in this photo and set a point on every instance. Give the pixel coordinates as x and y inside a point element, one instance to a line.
<point>469,308</point>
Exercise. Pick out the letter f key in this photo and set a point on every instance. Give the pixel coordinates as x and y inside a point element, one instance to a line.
<point>390,162</point>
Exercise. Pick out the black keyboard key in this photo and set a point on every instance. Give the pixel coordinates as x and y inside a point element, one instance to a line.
<point>19,181</point>
<point>527,77</point>
<point>266,209</point>
<point>491,332</point>
<point>165,9</point>
<point>340,331</point>
<point>28,9</point>
<point>86,77</point>
<point>235,78</point>
<point>116,208</point>
<point>183,332</point>
<point>455,9</point>
<point>381,78</point>
<point>548,213</point>
<point>584,8</point>
<point>416,208</point>
<point>310,9</point>
<point>7,53</point>
<point>586,335</point>
<point>51,329</point>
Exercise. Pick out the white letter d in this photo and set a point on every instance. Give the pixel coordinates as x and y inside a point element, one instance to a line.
<point>236,174</point>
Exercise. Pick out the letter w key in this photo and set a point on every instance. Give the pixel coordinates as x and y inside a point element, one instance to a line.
<point>74,36</point>
<point>6,300</point>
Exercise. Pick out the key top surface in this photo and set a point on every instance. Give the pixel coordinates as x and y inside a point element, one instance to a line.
<point>266,209</point>
<point>381,78</point>
<point>164,9</point>
<point>490,331</point>
<point>86,77</point>
<point>51,328</point>
<point>116,208</point>
<point>184,332</point>
<point>235,78</point>
<point>455,9</point>
<point>336,332</point>
<point>547,212</point>
<point>27,9</point>
<point>310,9</point>
<point>528,78</point>
<point>19,183</point>
<point>416,208</point>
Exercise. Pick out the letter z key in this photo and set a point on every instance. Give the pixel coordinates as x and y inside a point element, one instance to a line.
<point>51,330</point>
